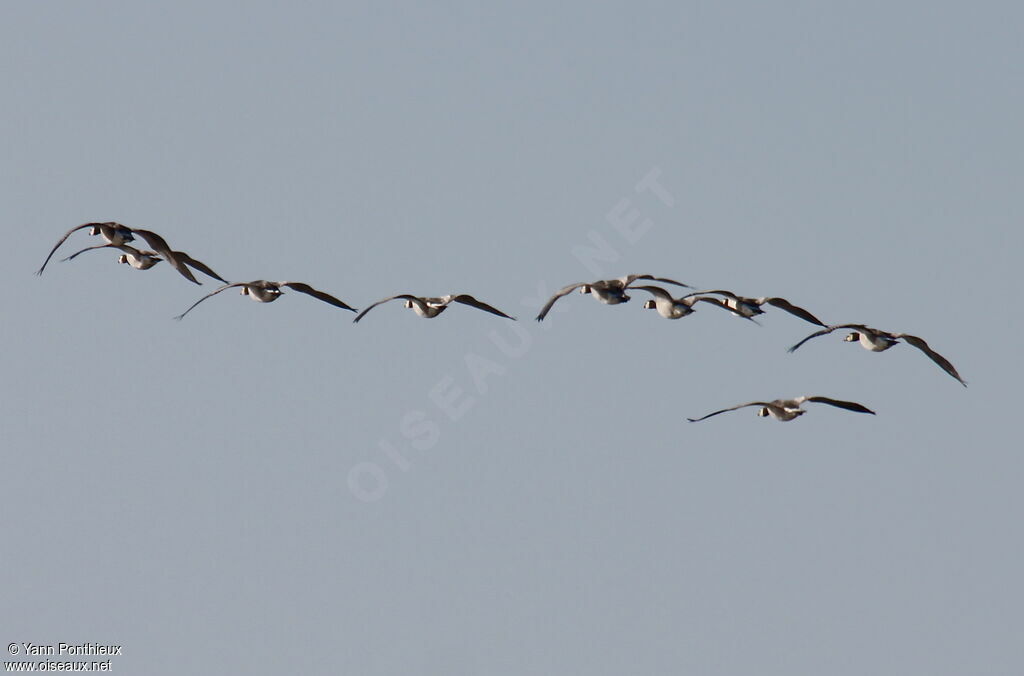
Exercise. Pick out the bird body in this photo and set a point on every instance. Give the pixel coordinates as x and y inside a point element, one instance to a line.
<point>140,260</point>
<point>670,308</point>
<point>869,340</point>
<point>428,308</point>
<point>604,293</point>
<point>113,233</point>
<point>742,307</point>
<point>262,293</point>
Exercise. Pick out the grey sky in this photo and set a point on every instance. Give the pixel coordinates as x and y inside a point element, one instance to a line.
<point>183,489</point>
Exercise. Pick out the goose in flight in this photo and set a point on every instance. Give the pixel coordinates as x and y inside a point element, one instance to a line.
<point>748,308</point>
<point>432,307</point>
<point>675,308</point>
<point>789,409</point>
<point>115,233</point>
<point>608,291</point>
<point>112,233</point>
<point>267,292</point>
<point>144,260</point>
<point>879,341</point>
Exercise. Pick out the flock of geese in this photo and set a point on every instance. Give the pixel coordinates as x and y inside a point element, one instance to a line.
<point>607,291</point>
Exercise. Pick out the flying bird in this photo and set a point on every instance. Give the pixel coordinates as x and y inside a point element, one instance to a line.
<point>112,233</point>
<point>267,292</point>
<point>116,234</point>
<point>608,291</point>
<point>748,308</point>
<point>785,410</point>
<point>432,307</point>
<point>675,308</point>
<point>880,341</point>
<point>144,260</point>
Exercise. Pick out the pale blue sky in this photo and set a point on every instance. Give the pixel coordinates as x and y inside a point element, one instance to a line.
<point>183,489</point>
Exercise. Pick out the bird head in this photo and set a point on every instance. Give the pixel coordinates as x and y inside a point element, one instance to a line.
<point>852,338</point>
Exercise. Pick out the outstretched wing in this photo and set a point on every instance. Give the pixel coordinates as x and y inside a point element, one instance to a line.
<point>61,241</point>
<point>558,294</point>
<point>98,246</point>
<point>319,295</point>
<point>933,355</point>
<point>406,296</point>
<point>629,279</point>
<point>803,314</point>
<point>848,405</point>
<point>732,408</point>
<point>719,292</point>
<point>198,265</point>
<point>466,299</point>
<point>159,245</point>
<point>825,331</point>
<point>655,291</point>
<point>212,293</point>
